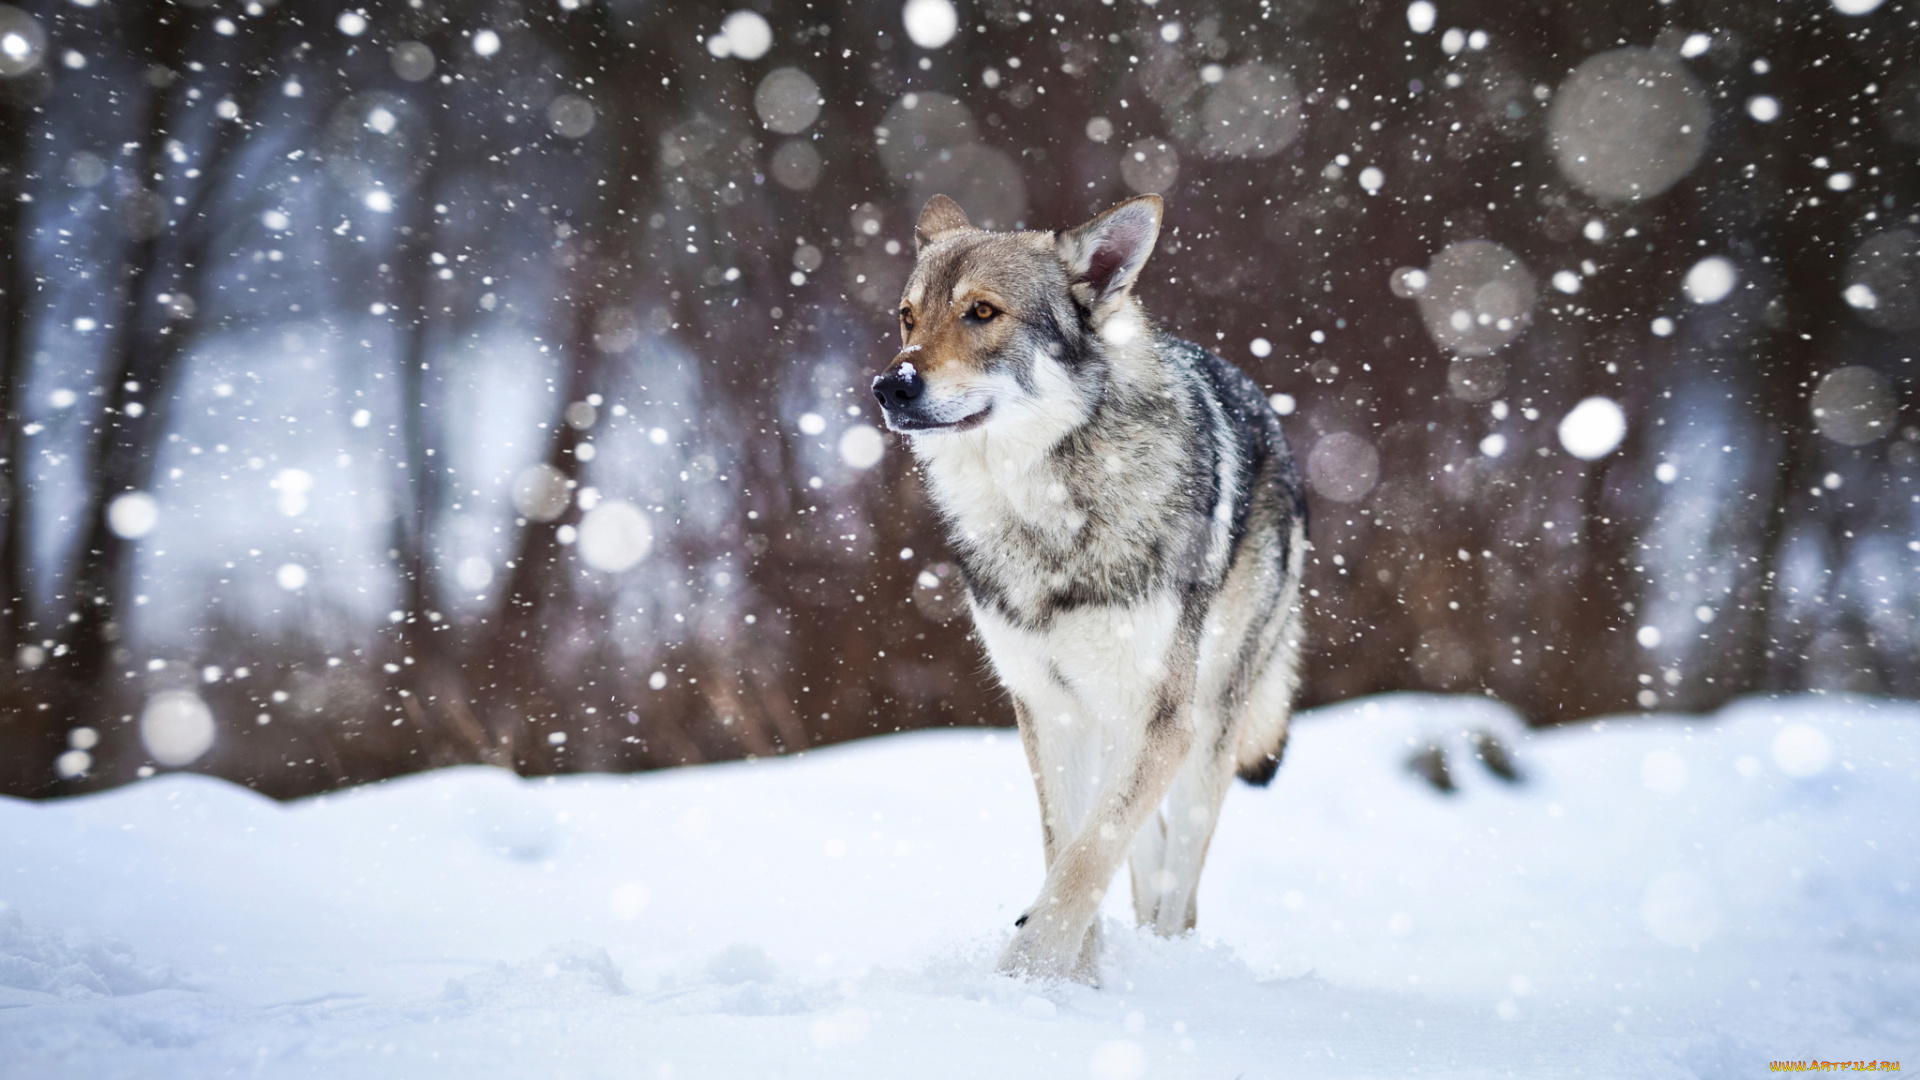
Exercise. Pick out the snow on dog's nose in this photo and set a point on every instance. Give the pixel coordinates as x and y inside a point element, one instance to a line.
<point>899,388</point>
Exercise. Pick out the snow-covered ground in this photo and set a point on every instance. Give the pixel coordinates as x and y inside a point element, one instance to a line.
<point>1657,899</point>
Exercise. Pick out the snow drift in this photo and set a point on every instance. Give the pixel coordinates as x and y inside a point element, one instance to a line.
<point>1655,899</point>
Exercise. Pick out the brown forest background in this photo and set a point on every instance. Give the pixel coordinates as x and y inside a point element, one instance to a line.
<point>263,267</point>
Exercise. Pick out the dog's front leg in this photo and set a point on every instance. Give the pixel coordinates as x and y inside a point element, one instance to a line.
<point>1053,936</point>
<point>1046,778</point>
<point>1063,754</point>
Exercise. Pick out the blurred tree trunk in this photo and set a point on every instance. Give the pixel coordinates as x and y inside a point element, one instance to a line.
<point>1806,337</point>
<point>141,354</point>
<point>435,693</point>
<point>515,661</point>
<point>18,288</point>
<point>172,253</point>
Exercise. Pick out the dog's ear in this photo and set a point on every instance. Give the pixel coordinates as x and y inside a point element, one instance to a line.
<point>942,215</point>
<point>1105,255</point>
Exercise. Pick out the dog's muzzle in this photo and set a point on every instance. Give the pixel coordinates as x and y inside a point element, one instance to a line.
<point>908,407</point>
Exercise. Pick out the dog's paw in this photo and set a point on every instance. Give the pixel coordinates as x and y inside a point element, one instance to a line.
<point>1026,958</point>
<point>1037,953</point>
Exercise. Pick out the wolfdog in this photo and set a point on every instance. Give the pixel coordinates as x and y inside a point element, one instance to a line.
<point>1131,528</point>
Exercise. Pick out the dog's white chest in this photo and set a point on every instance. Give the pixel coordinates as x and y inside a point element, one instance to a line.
<point>1112,658</point>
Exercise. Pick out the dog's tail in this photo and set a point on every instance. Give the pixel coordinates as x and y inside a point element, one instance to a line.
<point>1260,771</point>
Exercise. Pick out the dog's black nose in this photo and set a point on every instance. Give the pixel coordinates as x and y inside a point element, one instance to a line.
<point>899,388</point>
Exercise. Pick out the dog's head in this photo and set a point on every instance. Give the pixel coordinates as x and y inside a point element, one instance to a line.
<point>1011,333</point>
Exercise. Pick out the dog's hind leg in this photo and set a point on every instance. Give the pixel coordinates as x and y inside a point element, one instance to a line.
<point>1192,811</point>
<point>1163,868</point>
<point>1149,854</point>
<point>1244,702</point>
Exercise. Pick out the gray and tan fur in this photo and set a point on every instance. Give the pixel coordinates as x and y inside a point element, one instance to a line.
<point>1131,528</point>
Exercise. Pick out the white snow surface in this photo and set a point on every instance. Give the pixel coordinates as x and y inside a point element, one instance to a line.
<point>838,914</point>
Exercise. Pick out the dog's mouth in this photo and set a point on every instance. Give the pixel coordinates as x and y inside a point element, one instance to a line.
<point>965,423</point>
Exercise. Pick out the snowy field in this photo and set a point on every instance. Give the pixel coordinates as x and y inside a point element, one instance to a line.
<point>1657,899</point>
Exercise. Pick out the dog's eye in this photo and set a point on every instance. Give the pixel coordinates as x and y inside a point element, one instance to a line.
<point>906,318</point>
<point>983,310</point>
